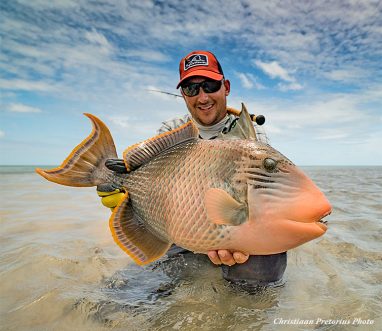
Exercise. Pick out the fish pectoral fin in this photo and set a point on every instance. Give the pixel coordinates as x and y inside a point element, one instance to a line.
<point>133,237</point>
<point>222,208</point>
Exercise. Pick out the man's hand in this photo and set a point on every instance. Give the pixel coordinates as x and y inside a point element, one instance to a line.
<point>224,256</point>
<point>109,193</point>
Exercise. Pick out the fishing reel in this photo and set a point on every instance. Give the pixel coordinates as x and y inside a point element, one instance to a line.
<point>258,119</point>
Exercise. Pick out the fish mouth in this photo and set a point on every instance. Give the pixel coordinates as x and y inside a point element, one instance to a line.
<point>319,221</point>
<point>322,223</point>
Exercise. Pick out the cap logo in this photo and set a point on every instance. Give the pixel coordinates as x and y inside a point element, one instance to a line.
<point>195,60</point>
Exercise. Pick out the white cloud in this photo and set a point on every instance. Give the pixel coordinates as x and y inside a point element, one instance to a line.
<point>274,70</point>
<point>345,75</point>
<point>99,40</point>
<point>326,38</point>
<point>50,4</point>
<point>290,87</point>
<point>96,38</point>
<point>147,55</point>
<point>332,134</point>
<point>125,34</point>
<point>26,85</point>
<point>248,80</point>
<point>341,118</point>
<point>21,108</point>
<point>2,134</point>
<point>122,121</point>
<point>137,129</point>
<point>102,56</point>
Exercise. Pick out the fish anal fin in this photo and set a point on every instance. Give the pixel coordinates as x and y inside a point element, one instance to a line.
<point>222,208</point>
<point>141,153</point>
<point>85,164</point>
<point>131,235</point>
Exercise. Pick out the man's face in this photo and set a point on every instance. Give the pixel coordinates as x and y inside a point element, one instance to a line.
<point>208,108</point>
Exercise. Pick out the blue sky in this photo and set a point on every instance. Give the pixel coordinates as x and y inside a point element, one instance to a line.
<point>313,68</point>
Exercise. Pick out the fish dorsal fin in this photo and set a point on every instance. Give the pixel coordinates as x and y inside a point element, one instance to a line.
<point>141,153</point>
<point>222,208</point>
<point>131,234</point>
<point>243,128</point>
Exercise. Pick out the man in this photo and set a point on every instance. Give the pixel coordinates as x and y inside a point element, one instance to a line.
<point>205,90</point>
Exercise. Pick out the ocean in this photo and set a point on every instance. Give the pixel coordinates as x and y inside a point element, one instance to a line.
<point>61,270</point>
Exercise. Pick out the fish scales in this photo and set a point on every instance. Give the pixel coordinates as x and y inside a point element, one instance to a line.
<point>168,192</point>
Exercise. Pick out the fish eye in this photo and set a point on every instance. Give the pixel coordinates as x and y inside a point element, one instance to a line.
<point>269,164</point>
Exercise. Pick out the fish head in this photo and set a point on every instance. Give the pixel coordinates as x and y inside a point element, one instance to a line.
<point>285,207</point>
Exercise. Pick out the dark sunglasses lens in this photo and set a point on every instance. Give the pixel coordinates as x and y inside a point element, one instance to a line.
<point>191,89</point>
<point>208,86</point>
<point>211,86</point>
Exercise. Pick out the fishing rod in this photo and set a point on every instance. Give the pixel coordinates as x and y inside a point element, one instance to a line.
<point>259,119</point>
<point>164,92</point>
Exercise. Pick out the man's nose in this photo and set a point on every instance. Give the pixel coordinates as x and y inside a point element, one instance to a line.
<point>202,96</point>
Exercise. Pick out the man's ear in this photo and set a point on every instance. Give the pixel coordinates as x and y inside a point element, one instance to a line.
<point>227,85</point>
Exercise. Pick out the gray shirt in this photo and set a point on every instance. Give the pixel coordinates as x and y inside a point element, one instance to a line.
<point>210,132</point>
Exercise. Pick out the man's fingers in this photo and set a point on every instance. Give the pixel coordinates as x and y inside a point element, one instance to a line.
<point>240,257</point>
<point>214,257</point>
<point>226,257</point>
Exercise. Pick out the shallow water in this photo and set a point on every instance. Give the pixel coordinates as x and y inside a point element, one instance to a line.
<point>60,269</point>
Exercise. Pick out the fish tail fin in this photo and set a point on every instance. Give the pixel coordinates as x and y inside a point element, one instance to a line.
<point>85,165</point>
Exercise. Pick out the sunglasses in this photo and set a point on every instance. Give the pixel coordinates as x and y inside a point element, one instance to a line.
<point>208,86</point>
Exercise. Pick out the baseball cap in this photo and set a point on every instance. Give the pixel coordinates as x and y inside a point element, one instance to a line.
<point>200,63</point>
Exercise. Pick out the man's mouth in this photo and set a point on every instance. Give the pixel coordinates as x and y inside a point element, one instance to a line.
<point>205,108</point>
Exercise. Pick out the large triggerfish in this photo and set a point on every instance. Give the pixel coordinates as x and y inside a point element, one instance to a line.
<point>233,193</point>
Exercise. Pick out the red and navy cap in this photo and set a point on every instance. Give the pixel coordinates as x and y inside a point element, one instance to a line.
<point>200,63</point>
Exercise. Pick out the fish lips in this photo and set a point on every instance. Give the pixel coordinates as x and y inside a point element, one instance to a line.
<point>323,224</point>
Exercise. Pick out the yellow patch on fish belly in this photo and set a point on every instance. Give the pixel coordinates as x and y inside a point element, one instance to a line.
<point>223,208</point>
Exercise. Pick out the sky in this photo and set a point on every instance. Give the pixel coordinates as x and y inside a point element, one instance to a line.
<point>312,68</point>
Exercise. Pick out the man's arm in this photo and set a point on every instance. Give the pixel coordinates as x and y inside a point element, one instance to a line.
<point>173,123</point>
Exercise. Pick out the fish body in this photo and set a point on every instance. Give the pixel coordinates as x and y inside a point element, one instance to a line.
<point>169,192</point>
<point>230,193</point>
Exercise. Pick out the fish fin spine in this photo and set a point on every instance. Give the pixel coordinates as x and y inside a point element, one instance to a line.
<point>142,152</point>
<point>243,128</point>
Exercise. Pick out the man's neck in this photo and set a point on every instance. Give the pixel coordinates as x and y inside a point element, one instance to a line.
<point>208,132</point>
